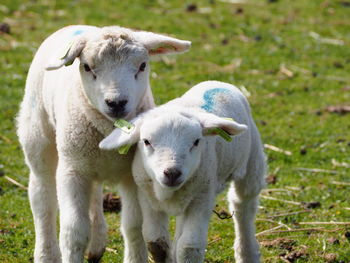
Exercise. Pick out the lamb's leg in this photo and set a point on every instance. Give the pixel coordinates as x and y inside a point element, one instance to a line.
<point>244,208</point>
<point>131,223</point>
<point>74,192</point>
<point>193,240</point>
<point>41,157</point>
<point>178,232</point>
<point>155,231</point>
<point>98,225</point>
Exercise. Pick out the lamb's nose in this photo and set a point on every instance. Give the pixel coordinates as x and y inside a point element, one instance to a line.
<point>116,108</point>
<point>171,176</point>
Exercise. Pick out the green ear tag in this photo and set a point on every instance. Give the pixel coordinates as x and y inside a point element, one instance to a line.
<point>124,125</point>
<point>69,63</point>
<point>127,127</point>
<point>221,133</point>
<point>124,149</point>
<point>64,52</point>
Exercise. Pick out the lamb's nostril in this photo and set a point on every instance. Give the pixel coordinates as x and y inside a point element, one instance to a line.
<point>110,103</point>
<point>116,109</point>
<point>122,103</point>
<point>172,173</point>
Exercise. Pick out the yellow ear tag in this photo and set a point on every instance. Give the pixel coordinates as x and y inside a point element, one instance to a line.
<point>126,127</point>
<point>221,132</point>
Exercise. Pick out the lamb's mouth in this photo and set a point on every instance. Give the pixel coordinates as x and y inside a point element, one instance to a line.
<point>113,116</point>
<point>173,184</point>
<point>117,115</point>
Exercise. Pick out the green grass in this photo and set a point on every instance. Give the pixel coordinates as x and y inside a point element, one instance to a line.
<point>290,111</point>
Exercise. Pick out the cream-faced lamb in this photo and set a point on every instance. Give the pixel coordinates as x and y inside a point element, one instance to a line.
<point>65,113</point>
<point>180,167</point>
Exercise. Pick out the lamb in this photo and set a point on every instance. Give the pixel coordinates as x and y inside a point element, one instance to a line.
<point>180,167</point>
<point>65,113</point>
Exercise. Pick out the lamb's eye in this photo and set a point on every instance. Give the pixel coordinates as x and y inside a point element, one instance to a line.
<point>146,142</point>
<point>87,68</point>
<point>142,66</point>
<point>196,142</point>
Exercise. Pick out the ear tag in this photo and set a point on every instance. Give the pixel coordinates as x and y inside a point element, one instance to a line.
<point>124,149</point>
<point>69,63</point>
<point>221,132</point>
<point>63,54</point>
<point>126,127</point>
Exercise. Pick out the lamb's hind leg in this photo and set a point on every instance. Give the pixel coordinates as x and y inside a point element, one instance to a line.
<point>41,157</point>
<point>98,226</point>
<point>244,208</point>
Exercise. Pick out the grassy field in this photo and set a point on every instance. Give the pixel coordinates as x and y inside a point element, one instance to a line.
<point>292,56</point>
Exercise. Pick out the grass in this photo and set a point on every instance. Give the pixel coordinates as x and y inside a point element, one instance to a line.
<point>246,44</point>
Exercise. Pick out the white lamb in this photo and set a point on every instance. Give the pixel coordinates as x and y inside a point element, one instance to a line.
<point>179,170</point>
<point>64,115</point>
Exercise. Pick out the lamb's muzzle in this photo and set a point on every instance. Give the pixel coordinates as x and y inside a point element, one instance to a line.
<point>172,177</point>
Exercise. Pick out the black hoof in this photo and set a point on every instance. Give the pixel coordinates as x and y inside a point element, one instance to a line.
<point>159,250</point>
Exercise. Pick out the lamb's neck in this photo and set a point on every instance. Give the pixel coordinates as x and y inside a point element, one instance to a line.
<point>174,202</point>
<point>162,194</point>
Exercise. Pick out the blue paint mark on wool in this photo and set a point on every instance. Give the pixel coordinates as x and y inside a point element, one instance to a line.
<point>209,98</point>
<point>78,32</point>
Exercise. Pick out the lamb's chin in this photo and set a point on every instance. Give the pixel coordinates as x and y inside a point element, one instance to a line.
<point>162,192</point>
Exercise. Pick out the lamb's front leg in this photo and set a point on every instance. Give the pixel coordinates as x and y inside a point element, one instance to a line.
<point>98,225</point>
<point>155,231</point>
<point>73,191</point>
<point>131,223</point>
<point>190,246</point>
<point>244,209</point>
<point>178,233</point>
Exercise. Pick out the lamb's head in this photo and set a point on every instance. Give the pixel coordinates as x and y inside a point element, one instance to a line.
<point>114,66</point>
<point>171,142</point>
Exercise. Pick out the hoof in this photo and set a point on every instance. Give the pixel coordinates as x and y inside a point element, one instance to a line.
<point>159,250</point>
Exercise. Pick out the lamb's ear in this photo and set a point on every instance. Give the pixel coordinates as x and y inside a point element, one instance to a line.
<point>214,125</point>
<point>67,54</point>
<point>157,44</point>
<point>121,138</point>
